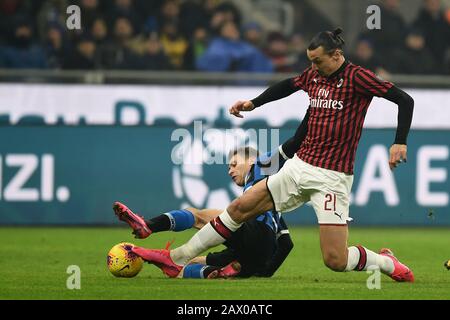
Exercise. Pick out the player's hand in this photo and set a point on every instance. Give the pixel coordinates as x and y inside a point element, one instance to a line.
<point>241,106</point>
<point>397,155</point>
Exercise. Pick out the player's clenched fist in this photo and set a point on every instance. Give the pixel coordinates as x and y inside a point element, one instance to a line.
<point>397,155</point>
<point>241,106</point>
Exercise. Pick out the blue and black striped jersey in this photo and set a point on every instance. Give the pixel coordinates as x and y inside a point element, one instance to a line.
<point>257,173</point>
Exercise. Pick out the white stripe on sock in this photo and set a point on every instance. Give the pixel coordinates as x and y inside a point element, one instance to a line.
<point>229,222</point>
<point>171,219</point>
<point>204,239</point>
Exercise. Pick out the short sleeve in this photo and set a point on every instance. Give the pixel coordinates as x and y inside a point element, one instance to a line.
<point>282,226</point>
<point>301,82</point>
<point>368,84</point>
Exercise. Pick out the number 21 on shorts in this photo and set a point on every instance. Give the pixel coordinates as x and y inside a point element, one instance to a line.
<point>330,202</point>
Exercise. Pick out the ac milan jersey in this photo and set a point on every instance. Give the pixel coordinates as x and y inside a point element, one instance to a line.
<point>338,106</point>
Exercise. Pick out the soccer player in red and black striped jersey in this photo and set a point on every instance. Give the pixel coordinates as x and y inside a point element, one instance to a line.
<point>322,170</point>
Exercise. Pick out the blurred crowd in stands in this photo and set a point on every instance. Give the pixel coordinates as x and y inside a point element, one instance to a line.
<point>211,35</point>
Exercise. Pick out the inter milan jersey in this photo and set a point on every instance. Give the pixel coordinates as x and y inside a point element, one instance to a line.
<point>338,106</point>
<point>272,218</point>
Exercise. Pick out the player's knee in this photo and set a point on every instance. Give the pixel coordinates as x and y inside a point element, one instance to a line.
<point>335,262</point>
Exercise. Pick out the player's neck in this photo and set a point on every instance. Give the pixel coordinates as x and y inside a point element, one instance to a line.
<point>337,68</point>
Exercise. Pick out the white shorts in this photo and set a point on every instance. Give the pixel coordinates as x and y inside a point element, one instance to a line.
<point>299,182</point>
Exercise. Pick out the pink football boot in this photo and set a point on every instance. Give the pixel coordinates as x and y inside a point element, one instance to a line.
<point>160,258</point>
<point>137,223</point>
<point>401,272</point>
<point>231,270</point>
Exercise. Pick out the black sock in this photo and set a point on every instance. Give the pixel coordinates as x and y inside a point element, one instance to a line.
<point>159,223</point>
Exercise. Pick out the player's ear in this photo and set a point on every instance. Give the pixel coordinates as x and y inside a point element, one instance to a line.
<point>334,55</point>
<point>337,54</point>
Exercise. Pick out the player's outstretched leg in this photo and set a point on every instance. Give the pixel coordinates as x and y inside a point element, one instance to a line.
<point>160,258</point>
<point>252,203</point>
<point>175,220</point>
<point>136,222</point>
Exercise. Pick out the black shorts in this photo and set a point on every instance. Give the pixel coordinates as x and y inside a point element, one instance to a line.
<point>253,245</point>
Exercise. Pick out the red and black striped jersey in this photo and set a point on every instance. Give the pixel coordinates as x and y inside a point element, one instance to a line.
<point>338,106</point>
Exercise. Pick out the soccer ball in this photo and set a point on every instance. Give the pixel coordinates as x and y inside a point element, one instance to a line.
<point>122,262</point>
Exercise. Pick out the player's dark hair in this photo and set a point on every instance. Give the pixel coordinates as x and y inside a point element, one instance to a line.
<point>329,40</point>
<point>246,152</point>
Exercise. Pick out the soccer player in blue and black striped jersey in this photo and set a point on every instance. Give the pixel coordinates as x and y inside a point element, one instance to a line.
<point>257,249</point>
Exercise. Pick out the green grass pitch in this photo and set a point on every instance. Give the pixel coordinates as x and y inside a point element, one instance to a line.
<point>34,263</point>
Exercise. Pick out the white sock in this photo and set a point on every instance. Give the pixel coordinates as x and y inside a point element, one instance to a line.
<point>229,222</point>
<point>360,259</point>
<point>207,237</point>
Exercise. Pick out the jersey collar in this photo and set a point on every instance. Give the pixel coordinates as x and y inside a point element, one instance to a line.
<point>250,175</point>
<point>341,68</point>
